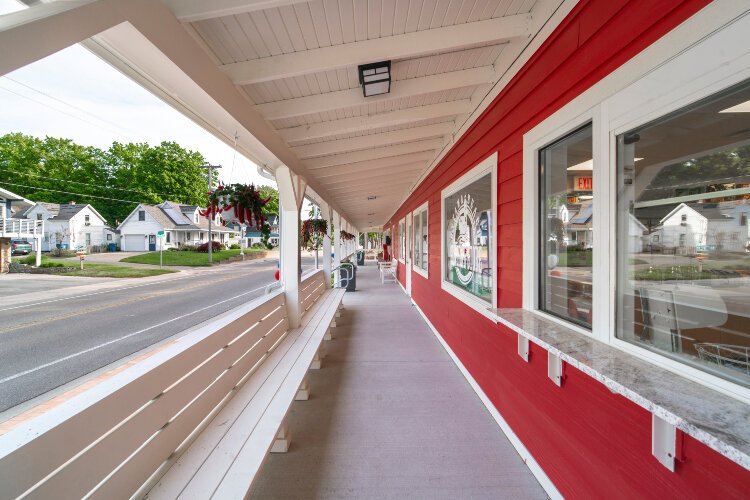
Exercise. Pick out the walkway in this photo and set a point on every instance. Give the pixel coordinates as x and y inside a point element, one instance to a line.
<point>391,416</point>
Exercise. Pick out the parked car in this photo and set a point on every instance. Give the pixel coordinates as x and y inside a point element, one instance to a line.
<point>20,247</point>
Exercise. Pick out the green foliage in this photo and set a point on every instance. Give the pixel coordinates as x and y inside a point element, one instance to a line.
<point>272,207</point>
<point>181,258</point>
<point>133,172</point>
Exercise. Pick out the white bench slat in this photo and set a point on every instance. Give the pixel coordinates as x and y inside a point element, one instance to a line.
<point>198,472</point>
<point>141,466</point>
<point>23,467</point>
<point>82,474</point>
<point>236,483</point>
<point>189,462</point>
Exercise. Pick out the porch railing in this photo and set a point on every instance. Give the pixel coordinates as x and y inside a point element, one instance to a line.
<point>21,228</point>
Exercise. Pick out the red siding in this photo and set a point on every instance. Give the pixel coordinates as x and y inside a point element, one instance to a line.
<point>590,442</point>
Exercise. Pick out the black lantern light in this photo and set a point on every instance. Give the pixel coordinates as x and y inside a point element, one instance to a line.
<point>375,78</point>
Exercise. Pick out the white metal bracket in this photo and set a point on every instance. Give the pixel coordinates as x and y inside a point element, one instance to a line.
<point>663,441</point>
<point>554,368</point>
<point>523,348</point>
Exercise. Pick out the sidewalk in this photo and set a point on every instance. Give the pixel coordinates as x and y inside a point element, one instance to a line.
<point>391,416</point>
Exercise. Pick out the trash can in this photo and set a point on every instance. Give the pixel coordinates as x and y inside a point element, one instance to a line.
<point>350,271</point>
<point>112,247</point>
<point>361,258</point>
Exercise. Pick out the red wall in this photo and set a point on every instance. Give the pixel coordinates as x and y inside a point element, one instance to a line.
<point>590,442</point>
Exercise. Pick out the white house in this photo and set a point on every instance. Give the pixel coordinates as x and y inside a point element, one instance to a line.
<point>721,225</point>
<point>182,225</point>
<point>71,225</point>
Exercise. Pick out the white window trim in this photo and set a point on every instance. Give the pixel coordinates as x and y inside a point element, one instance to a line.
<point>418,213</point>
<point>488,165</point>
<point>402,241</point>
<point>702,56</point>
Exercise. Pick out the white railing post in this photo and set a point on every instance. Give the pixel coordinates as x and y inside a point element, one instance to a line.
<point>325,213</point>
<point>291,194</point>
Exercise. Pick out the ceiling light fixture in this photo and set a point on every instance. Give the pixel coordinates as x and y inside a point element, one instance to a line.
<point>743,107</point>
<point>375,78</point>
<point>371,197</point>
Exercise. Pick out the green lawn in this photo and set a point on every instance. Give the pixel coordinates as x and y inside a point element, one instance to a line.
<point>97,270</point>
<point>186,258</point>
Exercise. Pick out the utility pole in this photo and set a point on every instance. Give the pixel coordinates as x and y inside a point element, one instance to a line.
<point>210,234</point>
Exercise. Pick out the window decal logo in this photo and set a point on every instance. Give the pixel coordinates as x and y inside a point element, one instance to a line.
<point>464,228</point>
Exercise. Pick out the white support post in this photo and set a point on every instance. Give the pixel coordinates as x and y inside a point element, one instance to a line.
<point>38,250</point>
<point>325,213</point>
<point>337,244</point>
<point>291,194</point>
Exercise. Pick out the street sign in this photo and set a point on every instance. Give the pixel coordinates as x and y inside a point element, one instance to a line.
<point>160,234</point>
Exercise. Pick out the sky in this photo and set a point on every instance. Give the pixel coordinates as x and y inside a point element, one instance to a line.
<point>75,95</point>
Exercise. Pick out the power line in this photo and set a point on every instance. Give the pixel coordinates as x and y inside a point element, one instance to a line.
<point>84,183</point>
<point>55,109</point>
<point>74,194</point>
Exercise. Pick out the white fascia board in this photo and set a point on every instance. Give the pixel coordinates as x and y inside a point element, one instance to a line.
<point>428,146</point>
<point>373,140</point>
<point>329,101</point>
<point>199,10</point>
<point>404,46</point>
<point>379,120</point>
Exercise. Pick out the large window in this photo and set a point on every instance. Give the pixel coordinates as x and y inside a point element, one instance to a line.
<point>402,240</point>
<point>468,220</point>
<point>566,227</point>
<point>420,240</point>
<point>683,242</point>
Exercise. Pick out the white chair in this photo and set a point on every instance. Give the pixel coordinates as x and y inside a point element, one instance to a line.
<point>388,271</point>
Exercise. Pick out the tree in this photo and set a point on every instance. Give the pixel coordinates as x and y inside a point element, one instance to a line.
<point>113,181</point>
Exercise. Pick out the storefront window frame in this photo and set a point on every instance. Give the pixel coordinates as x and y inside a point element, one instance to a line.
<point>644,90</point>
<point>417,262</point>
<point>402,240</point>
<point>484,167</point>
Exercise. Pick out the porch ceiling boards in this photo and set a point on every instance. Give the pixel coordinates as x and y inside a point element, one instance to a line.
<point>296,62</point>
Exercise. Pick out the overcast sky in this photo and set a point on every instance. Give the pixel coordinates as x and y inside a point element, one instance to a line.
<point>73,94</point>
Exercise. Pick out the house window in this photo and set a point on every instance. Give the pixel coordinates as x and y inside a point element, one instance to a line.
<point>169,237</point>
<point>743,220</point>
<point>402,240</point>
<point>88,239</point>
<point>692,306</point>
<point>38,216</point>
<point>141,215</point>
<point>109,237</point>
<point>187,236</point>
<point>201,236</point>
<point>87,220</point>
<point>566,248</point>
<point>420,240</point>
<point>467,221</point>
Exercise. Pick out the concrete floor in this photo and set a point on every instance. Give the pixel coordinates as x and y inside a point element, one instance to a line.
<point>391,416</point>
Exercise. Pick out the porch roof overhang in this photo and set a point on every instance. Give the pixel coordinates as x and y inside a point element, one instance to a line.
<point>282,75</point>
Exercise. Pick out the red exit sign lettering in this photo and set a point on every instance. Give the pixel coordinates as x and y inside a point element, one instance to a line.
<point>584,183</point>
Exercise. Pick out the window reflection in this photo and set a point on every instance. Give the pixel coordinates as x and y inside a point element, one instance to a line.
<point>683,263</point>
<point>567,226</point>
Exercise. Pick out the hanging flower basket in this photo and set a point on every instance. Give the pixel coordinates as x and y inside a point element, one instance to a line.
<point>346,236</point>
<point>246,203</point>
<point>313,231</point>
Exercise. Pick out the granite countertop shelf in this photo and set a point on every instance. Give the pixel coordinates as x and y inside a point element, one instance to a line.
<point>719,421</point>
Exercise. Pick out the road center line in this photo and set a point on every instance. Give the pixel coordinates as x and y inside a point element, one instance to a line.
<point>110,342</point>
<point>21,306</point>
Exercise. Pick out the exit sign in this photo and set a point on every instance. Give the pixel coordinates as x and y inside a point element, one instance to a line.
<point>583,183</point>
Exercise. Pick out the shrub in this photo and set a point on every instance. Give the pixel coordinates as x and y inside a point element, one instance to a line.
<point>234,246</point>
<point>29,260</point>
<point>215,246</point>
<point>190,248</point>
<point>258,245</point>
<point>60,252</point>
<point>52,264</point>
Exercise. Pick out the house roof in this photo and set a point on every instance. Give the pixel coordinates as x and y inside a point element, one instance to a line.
<point>709,211</point>
<point>172,215</point>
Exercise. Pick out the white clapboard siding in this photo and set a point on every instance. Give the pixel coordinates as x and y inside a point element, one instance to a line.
<point>144,410</point>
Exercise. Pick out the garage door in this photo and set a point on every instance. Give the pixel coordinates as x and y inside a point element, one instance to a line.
<point>134,243</point>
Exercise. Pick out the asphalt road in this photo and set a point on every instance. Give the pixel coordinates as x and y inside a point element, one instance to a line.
<point>47,344</point>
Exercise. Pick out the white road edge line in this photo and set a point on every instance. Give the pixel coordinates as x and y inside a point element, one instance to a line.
<point>66,358</point>
<point>98,293</point>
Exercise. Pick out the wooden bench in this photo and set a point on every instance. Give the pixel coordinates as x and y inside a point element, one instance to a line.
<point>202,412</point>
<point>225,458</point>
